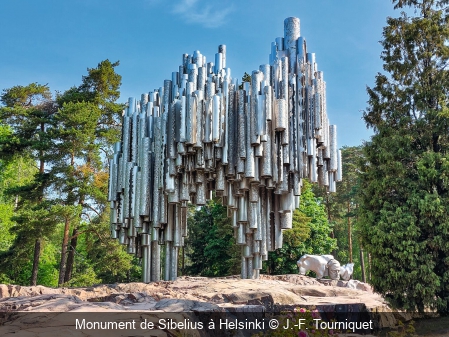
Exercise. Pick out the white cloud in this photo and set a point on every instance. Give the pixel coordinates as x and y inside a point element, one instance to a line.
<point>200,12</point>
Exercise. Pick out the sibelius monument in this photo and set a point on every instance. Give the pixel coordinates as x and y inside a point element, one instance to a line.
<point>201,133</point>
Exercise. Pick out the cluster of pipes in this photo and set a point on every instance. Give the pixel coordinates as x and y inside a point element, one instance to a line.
<point>202,132</point>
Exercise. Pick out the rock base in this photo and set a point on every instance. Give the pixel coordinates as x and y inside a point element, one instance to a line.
<point>230,295</point>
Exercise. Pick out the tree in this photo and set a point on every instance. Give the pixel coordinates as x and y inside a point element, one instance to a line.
<point>245,78</point>
<point>14,173</point>
<point>404,204</point>
<point>85,129</point>
<point>342,208</point>
<point>309,235</point>
<point>28,111</point>
<point>210,245</point>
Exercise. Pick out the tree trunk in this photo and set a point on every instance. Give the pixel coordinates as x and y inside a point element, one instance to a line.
<point>349,235</point>
<point>369,266</point>
<point>65,242</point>
<point>362,264</point>
<point>71,256</point>
<point>334,252</point>
<point>37,253</point>
<point>37,244</point>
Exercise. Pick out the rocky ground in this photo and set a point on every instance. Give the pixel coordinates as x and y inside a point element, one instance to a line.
<point>269,294</point>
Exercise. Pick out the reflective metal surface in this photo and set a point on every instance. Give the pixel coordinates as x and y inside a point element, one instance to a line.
<point>201,131</point>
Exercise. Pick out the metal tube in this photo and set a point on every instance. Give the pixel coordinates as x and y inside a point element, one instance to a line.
<point>254,192</point>
<point>277,224</point>
<point>220,180</point>
<point>244,271</point>
<point>218,62</point>
<point>168,260</point>
<point>256,79</point>
<point>222,51</point>
<point>281,115</point>
<point>243,210</point>
<point>339,167</point>
<point>199,118</point>
<point>291,35</point>
<point>253,218</point>
<point>216,119</point>
<point>208,121</point>
<point>333,164</point>
<point>224,138</point>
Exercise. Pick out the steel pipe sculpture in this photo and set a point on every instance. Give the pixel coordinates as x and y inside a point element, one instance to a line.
<point>201,132</point>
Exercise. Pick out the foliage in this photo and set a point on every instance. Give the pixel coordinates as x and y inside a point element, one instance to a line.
<point>404,189</point>
<point>100,91</point>
<point>27,112</point>
<point>309,235</point>
<point>403,330</point>
<point>245,78</point>
<point>68,139</point>
<point>108,258</point>
<point>86,123</point>
<point>342,208</point>
<point>16,262</point>
<point>13,174</point>
<point>210,245</point>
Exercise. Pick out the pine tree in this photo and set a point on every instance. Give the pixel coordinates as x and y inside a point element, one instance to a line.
<point>28,111</point>
<point>85,128</point>
<point>404,210</point>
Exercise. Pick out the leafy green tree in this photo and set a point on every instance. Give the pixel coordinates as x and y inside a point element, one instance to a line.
<point>310,235</point>
<point>404,189</point>
<point>245,78</point>
<point>342,208</point>
<point>70,140</point>
<point>13,174</point>
<point>107,258</point>
<point>85,129</point>
<point>210,245</point>
<point>28,111</point>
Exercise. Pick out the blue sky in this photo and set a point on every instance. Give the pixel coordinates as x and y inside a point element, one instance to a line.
<point>53,42</point>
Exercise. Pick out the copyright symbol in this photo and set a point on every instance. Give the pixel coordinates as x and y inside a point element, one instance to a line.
<point>273,323</point>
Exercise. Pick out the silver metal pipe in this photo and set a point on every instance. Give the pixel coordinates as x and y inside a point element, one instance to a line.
<point>199,119</point>
<point>241,139</point>
<point>333,164</point>
<point>218,62</point>
<point>222,51</point>
<point>168,260</point>
<point>220,180</point>
<point>216,119</point>
<point>250,269</point>
<point>208,121</point>
<point>339,167</point>
<point>242,210</point>
<point>256,80</point>
<point>241,238</point>
<point>281,114</point>
<point>224,138</point>
<point>291,35</point>
<point>277,224</point>
<point>155,261</point>
<point>244,266</point>
<point>253,219</point>
<point>146,262</point>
